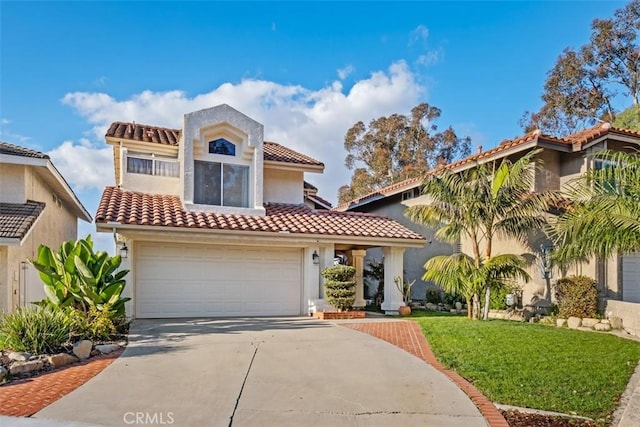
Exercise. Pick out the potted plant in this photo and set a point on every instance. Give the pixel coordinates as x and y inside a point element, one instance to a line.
<point>405,290</point>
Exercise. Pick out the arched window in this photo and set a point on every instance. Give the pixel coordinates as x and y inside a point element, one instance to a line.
<point>222,146</point>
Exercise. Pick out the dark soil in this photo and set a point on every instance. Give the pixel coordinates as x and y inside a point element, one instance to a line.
<point>521,419</point>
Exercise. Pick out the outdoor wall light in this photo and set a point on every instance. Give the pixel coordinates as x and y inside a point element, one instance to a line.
<point>124,251</point>
<point>315,257</point>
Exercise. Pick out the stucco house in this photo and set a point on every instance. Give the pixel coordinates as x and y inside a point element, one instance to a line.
<point>219,222</point>
<point>563,159</point>
<point>37,206</point>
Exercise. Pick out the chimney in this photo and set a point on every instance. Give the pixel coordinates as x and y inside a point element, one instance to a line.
<point>479,149</point>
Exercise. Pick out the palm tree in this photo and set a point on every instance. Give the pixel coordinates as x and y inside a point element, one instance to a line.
<point>491,200</point>
<point>602,216</point>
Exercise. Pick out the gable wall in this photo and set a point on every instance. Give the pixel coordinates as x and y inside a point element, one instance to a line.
<point>281,186</point>
<point>12,183</point>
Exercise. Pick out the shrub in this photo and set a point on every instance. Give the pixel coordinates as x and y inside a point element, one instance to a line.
<point>340,286</point>
<point>499,298</point>
<point>577,296</point>
<point>36,330</point>
<point>101,325</point>
<point>375,271</point>
<point>433,296</point>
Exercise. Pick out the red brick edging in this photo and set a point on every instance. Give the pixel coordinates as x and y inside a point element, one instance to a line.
<point>408,336</point>
<point>25,397</point>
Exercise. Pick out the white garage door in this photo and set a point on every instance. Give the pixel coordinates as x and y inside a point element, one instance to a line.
<point>631,277</point>
<point>208,281</point>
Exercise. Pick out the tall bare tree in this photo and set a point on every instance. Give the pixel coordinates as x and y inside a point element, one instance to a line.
<point>394,148</point>
<point>580,88</point>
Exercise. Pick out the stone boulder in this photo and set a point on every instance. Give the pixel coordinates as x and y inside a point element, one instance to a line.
<point>588,322</point>
<point>615,322</point>
<point>107,348</point>
<point>574,322</point>
<point>25,367</point>
<point>432,307</point>
<point>82,349</point>
<point>604,327</point>
<point>19,356</point>
<point>3,372</point>
<point>561,322</point>
<point>61,359</point>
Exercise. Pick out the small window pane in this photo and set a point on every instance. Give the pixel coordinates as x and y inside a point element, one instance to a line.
<point>236,185</point>
<point>206,183</point>
<point>164,168</point>
<point>222,146</point>
<point>135,165</point>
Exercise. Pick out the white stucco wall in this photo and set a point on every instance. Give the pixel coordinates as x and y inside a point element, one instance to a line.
<point>151,184</point>
<point>282,186</point>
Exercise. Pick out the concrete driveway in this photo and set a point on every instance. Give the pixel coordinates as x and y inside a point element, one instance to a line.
<point>264,372</point>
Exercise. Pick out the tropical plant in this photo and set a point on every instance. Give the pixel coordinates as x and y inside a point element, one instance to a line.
<point>340,286</point>
<point>76,276</point>
<point>602,216</point>
<point>37,330</point>
<point>96,324</point>
<point>374,275</point>
<point>405,288</point>
<point>487,201</point>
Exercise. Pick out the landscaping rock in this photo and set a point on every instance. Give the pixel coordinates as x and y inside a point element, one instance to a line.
<point>107,348</point>
<point>61,359</point>
<point>588,322</point>
<point>19,356</point>
<point>561,322</point>
<point>3,372</point>
<point>432,307</point>
<point>602,327</point>
<point>584,329</point>
<point>25,367</point>
<point>615,322</point>
<point>82,349</point>
<point>606,321</point>
<point>453,311</point>
<point>458,306</point>
<point>574,322</point>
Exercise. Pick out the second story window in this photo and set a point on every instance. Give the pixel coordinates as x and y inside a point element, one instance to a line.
<point>221,184</point>
<point>222,146</point>
<point>149,164</point>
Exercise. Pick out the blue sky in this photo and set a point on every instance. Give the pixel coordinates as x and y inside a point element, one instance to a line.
<point>306,70</point>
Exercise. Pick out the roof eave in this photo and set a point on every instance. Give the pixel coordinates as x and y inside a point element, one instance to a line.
<point>273,164</point>
<point>11,241</point>
<point>258,236</point>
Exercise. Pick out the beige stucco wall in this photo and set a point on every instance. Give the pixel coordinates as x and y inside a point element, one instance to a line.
<point>12,184</point>
<point>629,312</point>
<point>547,178</point>
<point>283,186</point>
<point>151,184</point>
<point>54,225</point>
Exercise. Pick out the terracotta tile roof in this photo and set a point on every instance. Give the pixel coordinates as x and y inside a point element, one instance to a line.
<point>165,136</point>
<point>145,133</point>
<point>14,150</point>
<point>16,219</point>
<point>319,200</point>
<point>279,153</point>
<point>127,207</point>
<point>577,139</point>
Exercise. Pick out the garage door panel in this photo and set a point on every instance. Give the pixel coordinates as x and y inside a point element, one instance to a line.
<point>195,280</point>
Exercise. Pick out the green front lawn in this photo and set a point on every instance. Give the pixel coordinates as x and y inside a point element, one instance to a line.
<point>533,365</point>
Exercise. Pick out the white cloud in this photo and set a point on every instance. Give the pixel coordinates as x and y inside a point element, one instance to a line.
<point>7,135</point>
<point>419,35</point>
<point>344,72</point>
<point>431,57</point>
<point>313,121</point>
<point>84,165</point>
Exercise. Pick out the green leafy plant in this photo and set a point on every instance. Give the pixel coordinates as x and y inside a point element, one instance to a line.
<point>340,286</point>
<point>433,296</point>
<point>37,330</point>
<point>375,271</point>
<point>577,296</point>
<point>96,324</point>
<point>76,276</point>
<point>499,297</point>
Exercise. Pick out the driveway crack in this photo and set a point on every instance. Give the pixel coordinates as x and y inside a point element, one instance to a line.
<point>256,345</point>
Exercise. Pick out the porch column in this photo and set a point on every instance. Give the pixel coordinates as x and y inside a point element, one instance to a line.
<point>393,268</point>
<point>357,261</point>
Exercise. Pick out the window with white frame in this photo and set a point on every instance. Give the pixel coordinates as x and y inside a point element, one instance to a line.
<point>409,194</point>
<point>150,164</point>
<point>221,184</point>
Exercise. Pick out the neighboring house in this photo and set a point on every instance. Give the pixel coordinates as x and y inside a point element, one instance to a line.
<point>217,222</point>
<point>563,159</point>
<point>37,206</point>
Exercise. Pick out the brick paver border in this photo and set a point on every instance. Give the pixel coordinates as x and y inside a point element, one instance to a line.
<point>408,336</point>
<point>24,398</point>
